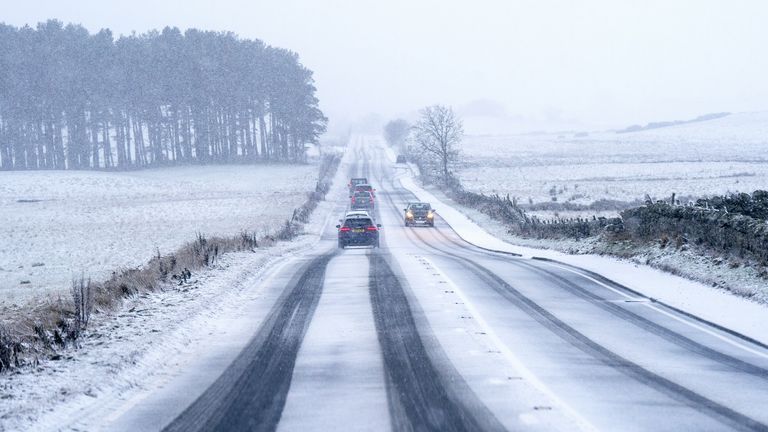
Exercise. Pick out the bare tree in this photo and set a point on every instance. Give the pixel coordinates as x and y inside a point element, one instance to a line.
<point>438,134</point>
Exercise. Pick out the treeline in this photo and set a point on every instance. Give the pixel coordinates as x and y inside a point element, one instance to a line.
<point>74,100</point>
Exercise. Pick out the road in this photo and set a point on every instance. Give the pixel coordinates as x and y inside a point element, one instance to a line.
<point>431,333</point>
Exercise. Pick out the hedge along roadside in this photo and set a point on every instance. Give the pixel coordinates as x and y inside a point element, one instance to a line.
<point>29,333</point>
<point>733,225</point>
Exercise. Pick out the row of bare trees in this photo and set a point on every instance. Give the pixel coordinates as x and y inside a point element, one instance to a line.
<point>74,100</point>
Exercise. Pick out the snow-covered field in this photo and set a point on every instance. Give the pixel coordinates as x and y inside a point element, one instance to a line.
<point>729,154</point>
<point>56,225</point>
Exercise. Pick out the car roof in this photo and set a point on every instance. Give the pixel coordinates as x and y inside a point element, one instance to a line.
<point>358,217</point>
<point>357,213</point>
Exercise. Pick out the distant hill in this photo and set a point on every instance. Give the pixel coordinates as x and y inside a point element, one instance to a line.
<point>663,124</point>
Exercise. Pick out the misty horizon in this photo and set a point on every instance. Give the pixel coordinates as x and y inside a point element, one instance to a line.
<point>547,66</point>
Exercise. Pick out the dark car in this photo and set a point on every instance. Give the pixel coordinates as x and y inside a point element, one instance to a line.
<point>364,187</point>
<point>419,213</point>
<point>354,182</point>
<point>400,159</point>
<point>361,200</point>
<point>358,230</point>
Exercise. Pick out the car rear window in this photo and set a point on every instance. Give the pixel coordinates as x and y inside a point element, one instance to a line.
<point>358,223</point>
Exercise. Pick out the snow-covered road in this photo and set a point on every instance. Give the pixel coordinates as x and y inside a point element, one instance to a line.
<point>432,333</point>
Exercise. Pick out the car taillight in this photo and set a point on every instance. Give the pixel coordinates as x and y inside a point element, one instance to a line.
<point>372,228</point>
<point>344,229</point>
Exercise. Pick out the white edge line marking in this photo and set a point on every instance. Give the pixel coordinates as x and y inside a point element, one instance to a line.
<point>670,315</point>
<point>518,365</point>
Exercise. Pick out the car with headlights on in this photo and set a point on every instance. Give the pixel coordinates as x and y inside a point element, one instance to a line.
<point>419,213</point>
<point>358,229</point>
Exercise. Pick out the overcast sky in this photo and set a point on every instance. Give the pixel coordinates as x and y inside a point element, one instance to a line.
<point>536,63</point>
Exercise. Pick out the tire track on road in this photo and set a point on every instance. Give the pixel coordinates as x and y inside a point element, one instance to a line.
<point>579,340</point>
<point>251,393</point>
<point>629,316</point>
<point>420,396</point>
<point>420,399</point>
<point>572,336</point>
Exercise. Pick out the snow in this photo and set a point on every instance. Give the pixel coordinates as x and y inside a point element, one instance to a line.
<point>150,341</point>
<point>184,334</point>
<point>127,360</point>
<point>717,306</point>
<point>496,375</point>
<point>718,156</point>
<point>56,225</point>
<point>340,356</point>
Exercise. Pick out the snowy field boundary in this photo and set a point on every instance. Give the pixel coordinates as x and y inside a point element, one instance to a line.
<point>695,299</point>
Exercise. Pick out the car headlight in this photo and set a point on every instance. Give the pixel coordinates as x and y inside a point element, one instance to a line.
<point>430,215</point>
<point>409,215</point>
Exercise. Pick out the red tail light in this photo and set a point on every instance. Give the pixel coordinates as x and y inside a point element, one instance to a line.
<point>372,228</point>
<point>344,229</point>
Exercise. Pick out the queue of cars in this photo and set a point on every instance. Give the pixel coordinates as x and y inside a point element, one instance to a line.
<point>358,227</point>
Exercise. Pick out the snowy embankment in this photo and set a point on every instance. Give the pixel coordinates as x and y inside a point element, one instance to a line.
<point>713,305</point>
<point>131,352</point>
<point>57,225</point>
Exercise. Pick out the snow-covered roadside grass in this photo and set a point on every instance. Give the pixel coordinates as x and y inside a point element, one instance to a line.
<point>699,298</point>
<point>136,345</point>
<point>691,262</point>
<point>147,338</point>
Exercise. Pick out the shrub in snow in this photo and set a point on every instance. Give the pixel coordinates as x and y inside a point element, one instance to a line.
<point>735,232</point>
<point>9,350</point>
